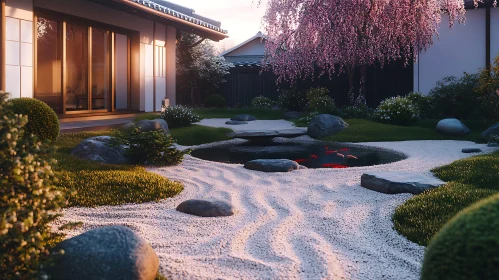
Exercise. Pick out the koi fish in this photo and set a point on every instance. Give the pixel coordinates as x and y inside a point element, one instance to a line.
<point>313,156</point>
<point>326,147</point>
<point>350,156</point>
<point>344,149</point>
<point>330,152</point>
<point>300,160</point>
<point>334,165</point>
<point>340,155</point>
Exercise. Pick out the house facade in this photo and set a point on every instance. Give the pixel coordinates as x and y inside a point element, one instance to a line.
<point>95,56</point>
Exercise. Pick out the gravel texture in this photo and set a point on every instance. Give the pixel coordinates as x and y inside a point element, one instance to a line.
<point>307,224</point>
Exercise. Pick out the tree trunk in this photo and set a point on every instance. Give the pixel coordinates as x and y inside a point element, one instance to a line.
<point>361,99</point>
<point>351,84</point>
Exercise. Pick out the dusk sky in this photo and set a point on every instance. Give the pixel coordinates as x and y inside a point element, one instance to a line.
<point>241,17</point>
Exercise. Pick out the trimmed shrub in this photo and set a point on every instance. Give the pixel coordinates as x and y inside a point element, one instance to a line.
<point>215,101</point>
<point>314,93</point>
<point>396,110</point>
<point>152,147</point>
<point>322,104</point>
<point>467,247</point>
<point>42,120</point>
<point>292,100</point>
<point>360,111</point>
<point>29,201</point>
<point>179,116</point>
<point>262,102</point>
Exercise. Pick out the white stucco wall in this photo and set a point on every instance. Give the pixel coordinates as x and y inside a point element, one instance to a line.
<point>460,49</point>
<point>494,34</point>
<point>19,48</point>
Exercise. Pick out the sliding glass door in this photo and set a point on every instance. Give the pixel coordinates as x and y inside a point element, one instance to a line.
<point>81,67</point>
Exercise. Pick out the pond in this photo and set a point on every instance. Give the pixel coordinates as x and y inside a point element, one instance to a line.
<point>311,155</point>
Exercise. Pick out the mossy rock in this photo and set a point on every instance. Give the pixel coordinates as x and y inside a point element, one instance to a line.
<point>42,120</point>
<point>467,247</point>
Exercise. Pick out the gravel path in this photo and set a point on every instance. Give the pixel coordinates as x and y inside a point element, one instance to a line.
<point>307,224</point>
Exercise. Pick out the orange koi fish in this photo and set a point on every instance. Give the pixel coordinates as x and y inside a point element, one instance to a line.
<point>350,156</point>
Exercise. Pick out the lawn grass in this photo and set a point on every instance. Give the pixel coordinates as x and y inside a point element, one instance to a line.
<point>147,116</point>
<point>98,184</point>
<point>198,134</point>
<point>259,114</point>
<point>469,180</point>
<point>361,130</point>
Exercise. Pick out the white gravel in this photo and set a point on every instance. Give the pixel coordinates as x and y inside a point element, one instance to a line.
<point>306,224</point>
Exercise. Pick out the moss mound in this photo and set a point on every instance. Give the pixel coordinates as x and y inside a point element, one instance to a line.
<point>42,120</point>
<point>467,247</point>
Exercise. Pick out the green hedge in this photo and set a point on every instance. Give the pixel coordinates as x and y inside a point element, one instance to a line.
<point>42,120</point>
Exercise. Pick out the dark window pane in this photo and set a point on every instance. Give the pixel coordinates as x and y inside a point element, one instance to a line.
<point>100,69</point>
<point>76,67</point>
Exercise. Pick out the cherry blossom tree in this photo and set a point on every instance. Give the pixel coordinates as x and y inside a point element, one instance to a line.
<point>342,35</point>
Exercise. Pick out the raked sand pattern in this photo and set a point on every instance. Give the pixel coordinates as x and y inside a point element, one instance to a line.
<point>307,224</point>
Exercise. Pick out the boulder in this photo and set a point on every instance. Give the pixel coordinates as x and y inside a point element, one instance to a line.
<point>206,208</point>
<point>398,182</point>
<point>99,149</point>
<point>491,131</point>
<point>153,125</point>
<point>113,252</point>
<point>272,165</point>
<point>127,126</point>
<point>292,115</point>
<point>325,125</point>
<point>243,118</point>
<point>452,127</point>
<point>235,122</point>
<point>471,150</point>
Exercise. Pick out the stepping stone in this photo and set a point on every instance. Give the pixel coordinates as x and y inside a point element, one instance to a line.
<point>206,208</point>
<point>272,165</point>
<point>398,182</point>
<point>291,133</point>
<point>268,134</point>
<point>235,122</point>
<point>243,117</point>
<point>471,150</point>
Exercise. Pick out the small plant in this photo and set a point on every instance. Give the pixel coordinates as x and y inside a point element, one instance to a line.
<point>396,110</point>
<point>292,100</point>
<point>467,246</point>
<point>360,111</point>
<point>215,101</point>
<point>262,102</point>
<point>308,117</point>
<point>422,103</point>
<point>322,104</point>
<point>42,120</point>
<point>315,93</point>
<point>179,116</point>
<point>152,147</point>
<point>29,201</point>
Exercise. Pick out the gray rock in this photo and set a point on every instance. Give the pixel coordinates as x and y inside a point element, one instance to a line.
<point>235,122</point>
<point>99,149</point>
<point>325,125</point>
<point>153,125</point>
<point>252,134</point>
<point>113,252</point>
<point>291,133</point>
<point>493,144</point>
<point>163,125</point>
<point>272,165</point>
<point>452,127</point>
<point>398,182</point>
<point>292,115</point>
<point>491,131</point>
<point>471,150</point>
<point>127,126</point>
<point>206,208</point>
<point>243,118</point>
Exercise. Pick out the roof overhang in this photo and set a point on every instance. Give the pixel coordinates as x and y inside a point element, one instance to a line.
<point>154,11</point>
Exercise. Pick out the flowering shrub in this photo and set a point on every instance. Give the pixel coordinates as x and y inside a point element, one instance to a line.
<point>29,201</point>
<point>262,102</point>
<point>322,104</point>
<point>179,116</point>
<point>292,100</point>
<point>359,111</point>
<point>396,110</point>
<point>308,117</point>
<point>314,93</point>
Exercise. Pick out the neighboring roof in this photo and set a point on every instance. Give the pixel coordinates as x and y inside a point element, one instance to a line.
<point>258,35</point>
<point>176,15</point>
